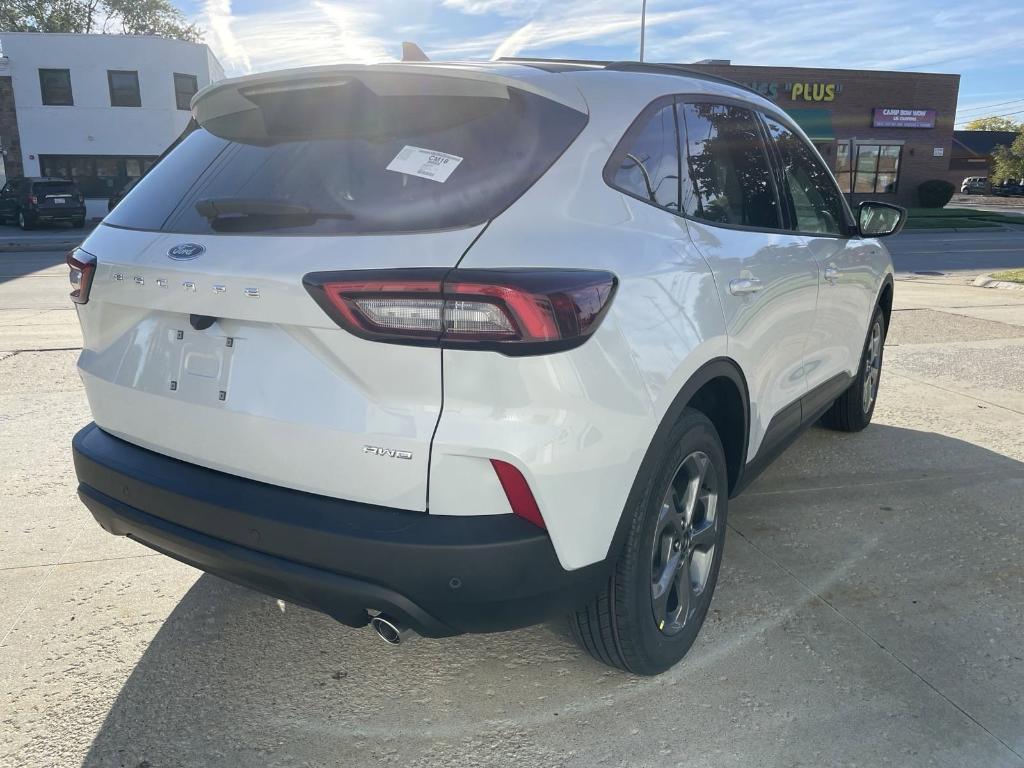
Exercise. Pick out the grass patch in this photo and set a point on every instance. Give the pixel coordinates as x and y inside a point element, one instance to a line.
<point>1010,276</point>
<point>957,218</point>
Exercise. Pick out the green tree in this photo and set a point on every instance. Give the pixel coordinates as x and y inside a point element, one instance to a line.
<point>1008,162</point>
<point>129,17</point>
<point>993,124</point>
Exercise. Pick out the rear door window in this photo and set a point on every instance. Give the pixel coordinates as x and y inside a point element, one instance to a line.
<point>456,161</point>
<point>730,181</point>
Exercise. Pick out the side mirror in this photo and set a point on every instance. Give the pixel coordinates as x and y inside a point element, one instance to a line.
<point>879,219</point>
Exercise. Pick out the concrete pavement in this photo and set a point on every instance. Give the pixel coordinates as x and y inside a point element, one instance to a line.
<point>870,609</point>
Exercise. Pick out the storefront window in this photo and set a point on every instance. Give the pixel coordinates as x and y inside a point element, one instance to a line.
<point>99,176</point>
<point>874,171</point>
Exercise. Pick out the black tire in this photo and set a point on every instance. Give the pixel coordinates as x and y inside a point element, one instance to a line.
<point>23,221</point>
<point>619,627</point>
<point>852,410</point>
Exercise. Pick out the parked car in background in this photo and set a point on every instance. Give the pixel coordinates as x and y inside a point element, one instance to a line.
<point>642,283</point>
<point>29,201</point>
<point>974,185</point>
<point>1009,188</point>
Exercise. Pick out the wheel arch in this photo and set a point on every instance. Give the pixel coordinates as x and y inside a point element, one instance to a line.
<point>884,300</point>
<point>719,390</point>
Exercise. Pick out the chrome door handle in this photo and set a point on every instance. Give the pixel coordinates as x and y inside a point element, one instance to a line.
<point>742,286</point>
<point>831,274</point>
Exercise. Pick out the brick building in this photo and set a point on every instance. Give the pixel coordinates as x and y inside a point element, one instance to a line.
<point>882,133</point>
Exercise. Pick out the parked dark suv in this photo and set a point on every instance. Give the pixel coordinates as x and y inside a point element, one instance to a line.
<point>31,201</point>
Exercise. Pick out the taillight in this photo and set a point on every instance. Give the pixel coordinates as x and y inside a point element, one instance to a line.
<point>518,492</point>
<point>82,267</point>
<point>516,312</point>
<point>32,200</point>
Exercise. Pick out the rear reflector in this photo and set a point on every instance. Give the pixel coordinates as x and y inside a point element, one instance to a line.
<point>518,492</point>
<point>516,312</point>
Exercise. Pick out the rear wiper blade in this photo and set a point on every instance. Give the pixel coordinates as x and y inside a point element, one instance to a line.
<point>243,207</point>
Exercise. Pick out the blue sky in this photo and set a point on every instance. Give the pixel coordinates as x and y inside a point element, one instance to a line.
<point>983,40</point>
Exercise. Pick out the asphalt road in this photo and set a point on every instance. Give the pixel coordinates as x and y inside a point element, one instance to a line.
<point>968,252</point>
<point>870,610</point>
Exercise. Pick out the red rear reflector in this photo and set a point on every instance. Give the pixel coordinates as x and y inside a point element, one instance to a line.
<point>518,492</point>
<point>516,312</point>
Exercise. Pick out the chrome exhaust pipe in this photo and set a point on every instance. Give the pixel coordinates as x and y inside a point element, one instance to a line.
<point>390,630</point>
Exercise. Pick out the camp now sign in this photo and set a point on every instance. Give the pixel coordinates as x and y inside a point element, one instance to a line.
<point>891,117</point>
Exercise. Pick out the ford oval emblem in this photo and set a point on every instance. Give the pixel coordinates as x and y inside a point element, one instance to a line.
<point>186,251</point>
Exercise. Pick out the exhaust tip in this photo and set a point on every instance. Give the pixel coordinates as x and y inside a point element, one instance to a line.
<point>389,630</point>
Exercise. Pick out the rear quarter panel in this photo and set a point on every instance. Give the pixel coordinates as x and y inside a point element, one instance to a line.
<point>577,423</point>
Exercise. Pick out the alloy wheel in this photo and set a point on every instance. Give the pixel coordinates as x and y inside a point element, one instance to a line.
<point>685,537</point>
<point>872,367</point>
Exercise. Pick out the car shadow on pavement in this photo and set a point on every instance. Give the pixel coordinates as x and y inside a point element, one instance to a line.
<point>22,263</point>
<point>233,678</point>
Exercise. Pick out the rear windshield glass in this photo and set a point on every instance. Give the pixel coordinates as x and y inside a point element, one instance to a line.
<point>48,188</point>
<point>454,161</point>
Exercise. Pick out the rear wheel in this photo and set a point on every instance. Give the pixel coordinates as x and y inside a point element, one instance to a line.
<point>24,222</point>
<point>852,410</point>
<point>649,614</point>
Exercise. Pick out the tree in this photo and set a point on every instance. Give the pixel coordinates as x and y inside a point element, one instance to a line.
<point>993,124</point>
<point>129,17</point>
<point>1008,162</point>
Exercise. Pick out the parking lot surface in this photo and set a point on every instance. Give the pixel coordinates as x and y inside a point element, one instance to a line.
<point>870,610</point>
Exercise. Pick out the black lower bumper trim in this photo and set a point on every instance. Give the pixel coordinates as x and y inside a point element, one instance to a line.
<point>439,575</point>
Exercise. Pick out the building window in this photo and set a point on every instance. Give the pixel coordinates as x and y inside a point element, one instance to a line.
<point>124,88</point>
<point>55,86</point>
<point>874,168</point>
<point>185,87</point>
<point>96,176</point>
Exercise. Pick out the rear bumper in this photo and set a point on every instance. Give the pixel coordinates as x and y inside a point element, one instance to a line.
<point>56,214</point>
<point>439,575</point>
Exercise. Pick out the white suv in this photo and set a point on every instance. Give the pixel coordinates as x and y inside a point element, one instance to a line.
<point>462,347</point>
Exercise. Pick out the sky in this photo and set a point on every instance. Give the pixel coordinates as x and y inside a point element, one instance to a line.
<point>982,40</point>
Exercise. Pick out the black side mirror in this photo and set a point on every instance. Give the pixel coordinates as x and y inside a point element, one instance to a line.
<point>879,219</point>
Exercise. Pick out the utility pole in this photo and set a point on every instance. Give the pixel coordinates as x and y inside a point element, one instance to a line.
<point>643,24</point>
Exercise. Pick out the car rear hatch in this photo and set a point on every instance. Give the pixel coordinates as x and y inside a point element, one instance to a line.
<point>201,342</point>
<point>56,197</point>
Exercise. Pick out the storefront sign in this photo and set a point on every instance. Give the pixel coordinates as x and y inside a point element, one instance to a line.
<point>890,117</point>
<point>797,91</point>
<point>812,91</point>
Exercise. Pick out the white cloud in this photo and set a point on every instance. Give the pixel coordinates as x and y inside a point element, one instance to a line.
<point>216,18</point>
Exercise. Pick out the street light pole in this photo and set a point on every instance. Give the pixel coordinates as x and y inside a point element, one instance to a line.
<point>643,24</point>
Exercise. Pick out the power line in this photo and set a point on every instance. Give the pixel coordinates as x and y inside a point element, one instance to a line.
<point>986,117</point>
<point>989,106</point>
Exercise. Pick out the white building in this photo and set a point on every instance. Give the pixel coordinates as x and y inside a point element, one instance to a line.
<point>95,108</point>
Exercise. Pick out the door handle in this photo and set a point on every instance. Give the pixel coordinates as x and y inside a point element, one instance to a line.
<point>742,286</point>
<point>831,274</point>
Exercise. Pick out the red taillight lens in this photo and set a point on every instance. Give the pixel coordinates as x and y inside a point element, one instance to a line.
<point>82,267</point>
<point>518,492</point>
<point>517,312</point>
<point>32,200</point>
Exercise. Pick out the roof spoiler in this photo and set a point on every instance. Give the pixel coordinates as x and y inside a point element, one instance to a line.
<point>232,107</point>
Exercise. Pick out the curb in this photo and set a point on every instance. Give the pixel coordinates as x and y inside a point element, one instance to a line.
<point>986,281</point>
<point>37,245</point>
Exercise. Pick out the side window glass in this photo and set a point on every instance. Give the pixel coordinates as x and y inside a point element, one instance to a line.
<point>649,165</point>
<point>819,208</point>
<point>730,181</point>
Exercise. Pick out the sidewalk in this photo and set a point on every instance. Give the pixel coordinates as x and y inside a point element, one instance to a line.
<point>50,239</point>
